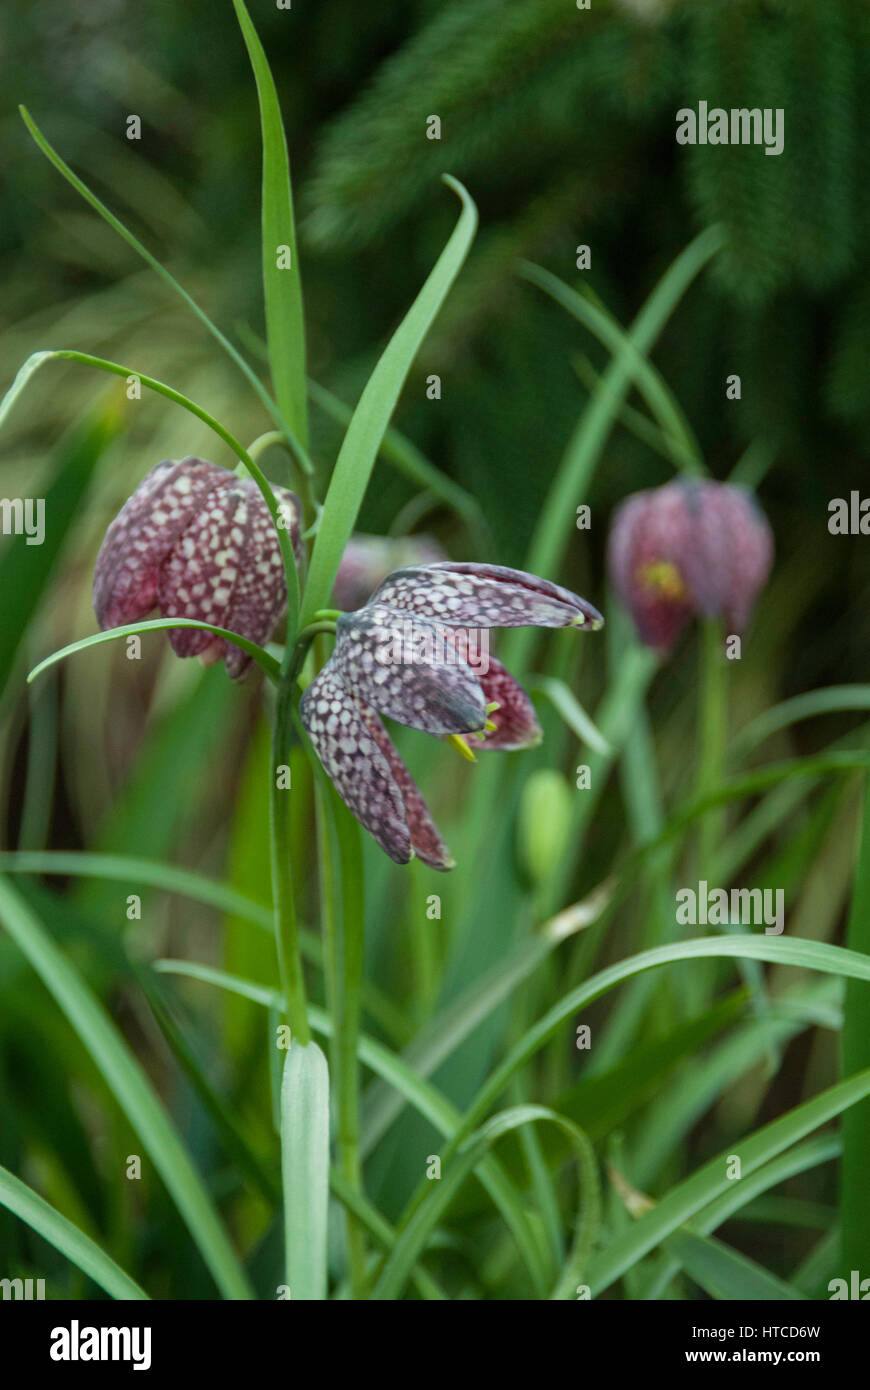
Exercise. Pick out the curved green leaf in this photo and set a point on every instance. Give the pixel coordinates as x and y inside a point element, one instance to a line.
<point>131,1088</point>
<point>285,326</point>
<point>709,1182</point>
<point>262,658</point>
<point>412,1239</point>
<point>371,417</point>
<point>67,1238</point>
<point>117,225</point>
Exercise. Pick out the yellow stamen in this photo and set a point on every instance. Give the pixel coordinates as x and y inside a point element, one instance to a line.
<point>461,746</point>
<point>663,579</point>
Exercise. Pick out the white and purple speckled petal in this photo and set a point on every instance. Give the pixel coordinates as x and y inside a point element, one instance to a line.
<point>516,724</point>
<point>199,578</point>
<point>478,595</point>
<point>425,839</point>
<point>143,534</point>
<point>354,761</point>
<point>260,596</point>
<point>402,667</point>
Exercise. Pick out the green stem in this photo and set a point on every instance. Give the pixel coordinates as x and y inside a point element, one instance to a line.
<point>343,931</point>
<point>286,933</point>
<point>712,736</point>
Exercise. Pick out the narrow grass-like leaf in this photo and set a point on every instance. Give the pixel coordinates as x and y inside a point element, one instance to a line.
<point>430,1103</point>
<point>118,226</point>
<point>820,1149</point>
<point>687,1198</point>
<point>552,534</point>
<point>412,1240</point>
<point>684,448</point>
<point>67,1238</point>
<point>123,868</point>
<point>131,1088</point>
<point>372,415</point>
<point>456,1021</point>
<point>855,1190</point>
<point>725,1273</point>
<point>810,955</point>
<point>305,1169</point>
<point>830,700</point>
<point>262,657</point>
<point>25,570</point>
<point>569,708</point>
<point>406,458</point>
<point>282,284</point>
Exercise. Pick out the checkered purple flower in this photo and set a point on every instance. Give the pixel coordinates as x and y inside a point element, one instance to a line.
<point>197,541</point>
<point>409,655</point>
<point>689,548</point>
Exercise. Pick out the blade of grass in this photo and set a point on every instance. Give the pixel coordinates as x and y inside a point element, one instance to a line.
<point>372,415</point>
<point>683,446</point>
<point>407,459</point>
<point>832,699</point>
<point>262,658</point>
<point>691,1195</point>
<point>552,532</point>
<point>131,1088</point>
<point>25,570</point>
<point>118,226</point>
<point>855,1044</point>
<point>448,1029</point>
<point>121,868</point>
<point>411,1241</point>
<point>26,1204</point>
<point>420,1094</point>
<point>820,1149</point>
<point>724,1273</point>
<point>282,285</point>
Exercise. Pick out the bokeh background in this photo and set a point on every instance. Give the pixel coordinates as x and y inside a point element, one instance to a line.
<point>561,124</point>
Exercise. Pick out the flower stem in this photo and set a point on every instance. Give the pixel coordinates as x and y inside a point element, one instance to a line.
<point>286,934</point>
<point>340,854</point>
<point>712,734</point>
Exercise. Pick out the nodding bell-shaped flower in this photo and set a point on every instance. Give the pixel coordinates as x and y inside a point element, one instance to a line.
<point>417,653</point>
<point>689,548</point>
<point>197,541</point>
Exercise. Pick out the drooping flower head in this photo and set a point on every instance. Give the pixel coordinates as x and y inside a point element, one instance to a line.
<point>197,541</point>
<point>367,560</point>
<point>686,549</point>
<point>413,654</point>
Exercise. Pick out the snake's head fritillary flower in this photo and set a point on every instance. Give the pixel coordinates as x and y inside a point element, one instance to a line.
<point>197,541</point>
<point>367,560</point>
<point>413,653</point>
<point>690,548</point>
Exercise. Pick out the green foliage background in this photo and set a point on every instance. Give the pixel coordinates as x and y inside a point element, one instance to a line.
<point>561,124</point>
